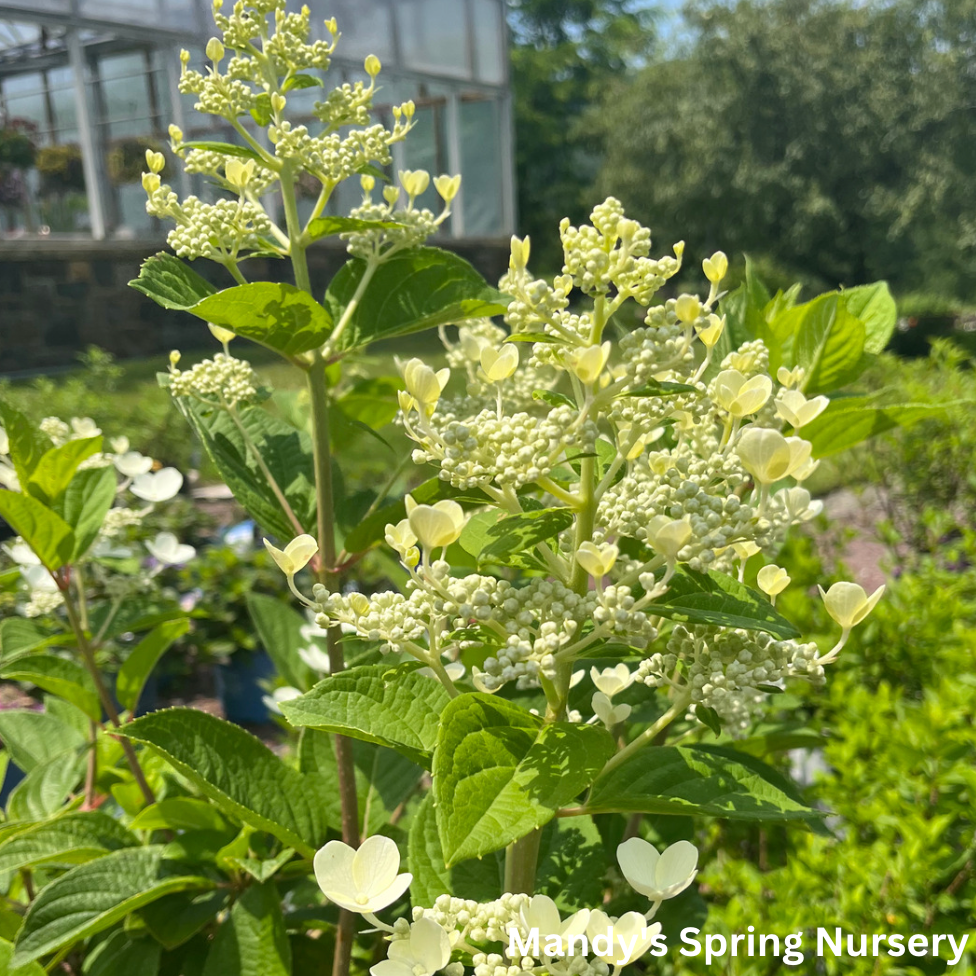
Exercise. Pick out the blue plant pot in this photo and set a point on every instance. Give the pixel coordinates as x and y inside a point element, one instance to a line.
<point>239,690</point>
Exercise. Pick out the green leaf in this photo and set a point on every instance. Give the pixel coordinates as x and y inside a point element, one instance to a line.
<point>849,421</point>
<point>71,839</point>
<point>84,505</point>
<point>169,282</point>
<point>330,226</point>
<point>57,467</point>
<point>43,791</point>
<point>20,636</point>
<point>722,601</point>
<point>572,864</point>
<point>59,676</point>
<point>27,444</point>
<point>875,307</point>
<point>479,879</point>
<point>372,402</point>
<point>829,343</point>
<point>143,658</point>
<point>253,940</point>
<point>416,290</point>
<point>658,388</point>
<point>261,110</point>
<point>372,529</point>
<point>43,530</point>
<point>180,813</point>
<point>286,451</point>
<point>554,399</point>
<point>6,955</point>
<point>519,534</point>
<point>499,773</point>
<point>236,770</point>
<point>262,871</point>
<point>33,738</point>
<point>279,627</point>
<point>700,780</point>
<point>94,896</point>
<point>277,315</point>
<point>174,919</point>
<point>121,954</point>
<point>400,710</point>
<point>224,148</point>
<point>301,81</point>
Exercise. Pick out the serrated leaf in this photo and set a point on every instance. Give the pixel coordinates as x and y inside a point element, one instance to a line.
<point>479,879</point>
<point>143,658</point>
<point>84,505</point>
<point>43,530</point>
<point>44,790</point>
<point>224,148</point>
<point>829,344</point>
<point>573,864</point>
<point>499,773</point>
<point>94,896</point>
<point>174,919</point>
<point>180,813</point>
<point>286,451</point>
<point>236,770</point>
<point>717,599</point>
<point>330,226</point>
<point>851,420</point>
<point>277,315</point>
<point>554,399</point>
<point>698,780</point>
<point>875,307</point>
<point>519,534</point>
<point>170,282</point>
<point>59,676</point>
<point>253,940</point>
<point>121,954</point>
<point>70,839</point>
<point>20,636</point>
<point>27,444</point>
<point>399,710</point>
<point>419,289</point>
<point>33,738</point>
<point>659,388</point>
<point>57,467</point>
<point>301,81</point>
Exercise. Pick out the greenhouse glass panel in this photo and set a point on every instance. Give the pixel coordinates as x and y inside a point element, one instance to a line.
<point>481,164</point>
<point>489,41</point>
<point>434,36</point>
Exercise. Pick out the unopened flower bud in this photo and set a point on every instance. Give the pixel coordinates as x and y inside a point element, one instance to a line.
<point>367,182</point>
<point>151,182</point>
<point>373,66</point>
<point>156,161</point>
<point>215,50</point>
<point>588,363</point>
<point>220,333</point>
<point>447,186</point>
<point>688,308</point>
<point>359,604</point>
<point>278,102</point>
<point>715,267</point>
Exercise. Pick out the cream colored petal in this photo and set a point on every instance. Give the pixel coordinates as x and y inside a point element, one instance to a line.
<point>638,863</point>
<point>375,864</point>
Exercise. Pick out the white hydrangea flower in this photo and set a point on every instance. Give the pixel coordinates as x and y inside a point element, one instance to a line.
<point>157,486</point>
<point>364,880</point>
<point>426,951</point>
<point>169,551</point>
<point>658,875</point>
<point>131,464</point>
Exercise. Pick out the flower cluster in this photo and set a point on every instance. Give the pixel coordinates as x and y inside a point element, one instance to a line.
<point>262,55</point>
<point>656,461</point>
<point>138,476</point>
<point>513,935</point>
<point>223,381</point>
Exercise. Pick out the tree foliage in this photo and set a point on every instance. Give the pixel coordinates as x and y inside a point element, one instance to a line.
<point>837,136</point>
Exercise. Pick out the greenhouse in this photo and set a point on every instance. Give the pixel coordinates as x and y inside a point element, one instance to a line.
<point>87,86</point>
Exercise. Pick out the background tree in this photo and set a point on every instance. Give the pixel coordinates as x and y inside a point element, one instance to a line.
<point>838,136</point>
<point>564,53</point>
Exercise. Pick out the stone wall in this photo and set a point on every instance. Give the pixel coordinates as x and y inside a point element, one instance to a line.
<point>58,296</point>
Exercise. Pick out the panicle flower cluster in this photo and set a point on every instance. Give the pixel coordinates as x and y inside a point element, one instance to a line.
<point>726,669</point>
<point>656,459</point>
<point>222,380</point>
<point>263,54</point>
<point>513,935</point>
